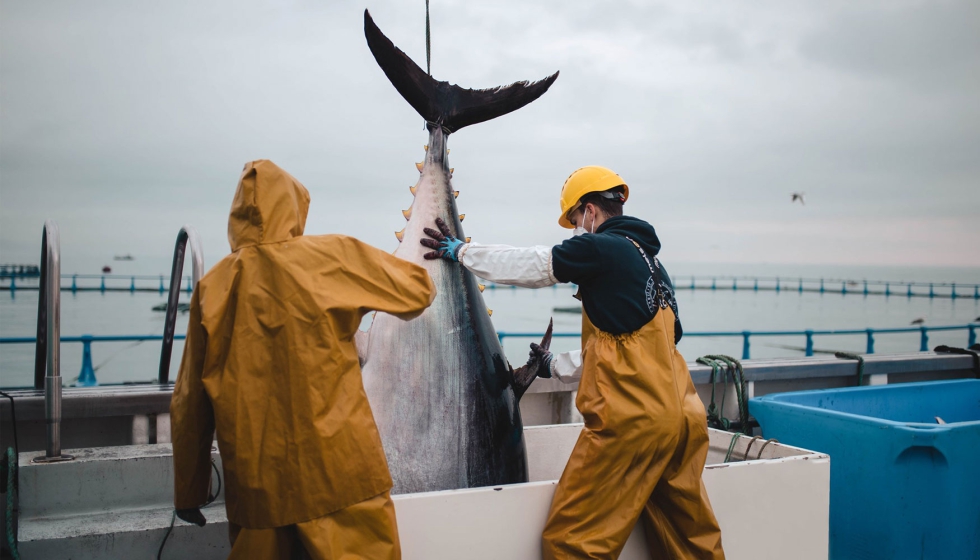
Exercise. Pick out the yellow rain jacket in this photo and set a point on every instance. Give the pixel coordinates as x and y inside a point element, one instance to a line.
<point>641,452</point>
<point>270,363</point>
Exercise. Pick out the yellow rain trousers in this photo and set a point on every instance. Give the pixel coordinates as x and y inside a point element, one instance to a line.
<point>270,365</point>
<point>364,530</point>
<point>641,452</point>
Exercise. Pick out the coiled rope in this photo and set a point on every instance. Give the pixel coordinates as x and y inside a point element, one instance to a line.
<point>727,367</point>
<point>11,500</point>
<point>722,368</point>
<point>12,485</point>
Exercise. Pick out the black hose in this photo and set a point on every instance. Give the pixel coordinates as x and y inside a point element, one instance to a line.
<point>173,518</point>
<point>965,351</point>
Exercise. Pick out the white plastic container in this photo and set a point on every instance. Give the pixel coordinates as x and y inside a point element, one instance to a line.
<point>775,507</point>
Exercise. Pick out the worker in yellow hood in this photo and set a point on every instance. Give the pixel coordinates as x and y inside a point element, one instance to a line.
<point>270,364</point>
<point>645,439</point>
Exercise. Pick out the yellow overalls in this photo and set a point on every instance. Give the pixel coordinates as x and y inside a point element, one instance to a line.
<point>641,452</point>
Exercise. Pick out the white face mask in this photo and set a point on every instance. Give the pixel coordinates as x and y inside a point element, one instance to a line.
<point>579,230</point>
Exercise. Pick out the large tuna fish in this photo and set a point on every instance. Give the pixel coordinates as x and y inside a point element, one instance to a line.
<point>444,396</point>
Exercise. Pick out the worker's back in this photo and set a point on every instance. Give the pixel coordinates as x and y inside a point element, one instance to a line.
<point>613,268</point>
<point>270,355</point>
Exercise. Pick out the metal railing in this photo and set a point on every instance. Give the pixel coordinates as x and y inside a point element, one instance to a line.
<point>971,328</point>
<point>779,284</point>
<point>187,234</point>
<point>87,371</point>
<point>106,283</point>
<point>47,352</point>
<point>923,331</point>
<point>812,285</point>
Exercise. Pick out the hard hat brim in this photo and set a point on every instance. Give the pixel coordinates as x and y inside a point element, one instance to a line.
<point>563,220</point>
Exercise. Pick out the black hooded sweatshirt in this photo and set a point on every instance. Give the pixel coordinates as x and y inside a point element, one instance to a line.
<point>616,286</point>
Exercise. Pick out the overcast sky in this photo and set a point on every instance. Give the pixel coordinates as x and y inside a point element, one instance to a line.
<point>123,120</point>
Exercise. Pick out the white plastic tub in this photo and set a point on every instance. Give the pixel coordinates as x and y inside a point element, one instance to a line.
<point>776,507</point>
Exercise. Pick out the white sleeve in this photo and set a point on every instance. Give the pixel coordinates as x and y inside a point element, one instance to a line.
<point>567,366</point>
<point>527,267</point>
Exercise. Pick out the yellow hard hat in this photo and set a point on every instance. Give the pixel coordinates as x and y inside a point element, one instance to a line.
<point>588,179</point>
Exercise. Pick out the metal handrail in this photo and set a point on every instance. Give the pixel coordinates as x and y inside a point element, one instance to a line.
<point>47,354</point>
<point>185,235</point>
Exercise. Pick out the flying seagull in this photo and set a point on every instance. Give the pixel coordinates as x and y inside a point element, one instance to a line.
<point>918,321</point>
<point>799,196</point>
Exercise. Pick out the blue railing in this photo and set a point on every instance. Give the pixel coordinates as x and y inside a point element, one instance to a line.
<point>116,283</point>
<point>86,376</point>
<point>157,283</point>
<point>950,290</point>
<point>808,333</point>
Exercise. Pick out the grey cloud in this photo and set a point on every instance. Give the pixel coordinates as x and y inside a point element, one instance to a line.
<point>124,121</point>
<point>930,45</point>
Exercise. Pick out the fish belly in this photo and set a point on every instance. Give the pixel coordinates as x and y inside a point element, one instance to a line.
<point>439,385</point>
<point>440,390</point>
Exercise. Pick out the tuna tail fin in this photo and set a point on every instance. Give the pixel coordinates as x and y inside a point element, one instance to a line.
<point>525,375</point>
<point>442,103</point>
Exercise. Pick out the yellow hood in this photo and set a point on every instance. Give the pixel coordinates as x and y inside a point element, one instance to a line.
<point>270,206</point>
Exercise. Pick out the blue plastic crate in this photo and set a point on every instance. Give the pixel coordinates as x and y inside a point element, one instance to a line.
<point>902,485</point>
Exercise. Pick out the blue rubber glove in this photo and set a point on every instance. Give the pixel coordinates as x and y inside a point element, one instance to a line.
<point>446,246</point>
<point>450,248</point>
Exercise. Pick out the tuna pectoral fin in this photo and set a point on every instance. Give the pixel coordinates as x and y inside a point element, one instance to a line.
<point>361,343</point>
<point>442,103</point>
<point>525,375</point>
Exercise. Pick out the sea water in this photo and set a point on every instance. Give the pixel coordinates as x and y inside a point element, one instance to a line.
<point>528,311</point>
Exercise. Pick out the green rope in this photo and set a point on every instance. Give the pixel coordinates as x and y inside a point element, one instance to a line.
<point>11,499</point>
<point>731,447</point>
<point>860,361</point>
<point>729,367</point>
<point>715,420</point>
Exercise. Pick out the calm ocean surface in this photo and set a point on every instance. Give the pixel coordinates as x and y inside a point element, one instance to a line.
<point>123,313</point>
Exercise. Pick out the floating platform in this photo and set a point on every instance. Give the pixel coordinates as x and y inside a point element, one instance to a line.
<point>116,502</point>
